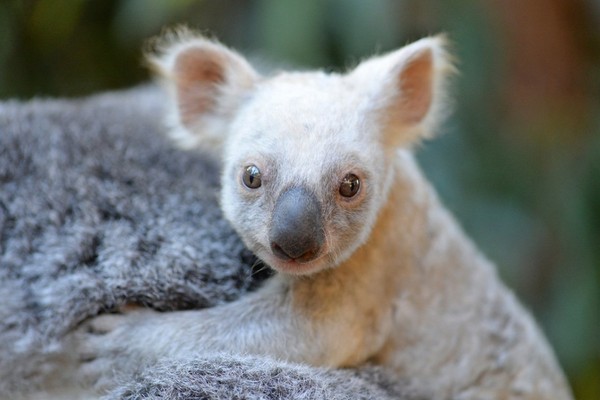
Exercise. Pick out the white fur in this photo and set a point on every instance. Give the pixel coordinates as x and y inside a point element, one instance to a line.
<point>398,282</point>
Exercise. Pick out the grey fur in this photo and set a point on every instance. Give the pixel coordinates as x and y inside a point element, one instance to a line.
<point>257,378</point>
<point>98,210</point>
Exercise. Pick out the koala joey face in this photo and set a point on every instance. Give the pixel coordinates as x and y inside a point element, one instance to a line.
<point>301,180</point>
<point>307,156</point>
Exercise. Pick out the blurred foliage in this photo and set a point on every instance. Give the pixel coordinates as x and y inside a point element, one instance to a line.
<point>519,162</point>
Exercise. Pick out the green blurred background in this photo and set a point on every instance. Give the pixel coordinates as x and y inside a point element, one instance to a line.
<point>519,162</point>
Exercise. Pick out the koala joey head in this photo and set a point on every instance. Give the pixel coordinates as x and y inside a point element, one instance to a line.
<point>308,157</point>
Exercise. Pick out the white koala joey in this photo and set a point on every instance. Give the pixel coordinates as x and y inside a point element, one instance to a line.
<point>320,182</point>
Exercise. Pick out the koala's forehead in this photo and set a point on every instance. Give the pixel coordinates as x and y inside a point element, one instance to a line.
<point>301,102</point>
<point>301,109</point>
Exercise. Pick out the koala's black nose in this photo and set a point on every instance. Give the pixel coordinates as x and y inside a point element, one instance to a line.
<point>296,230</point>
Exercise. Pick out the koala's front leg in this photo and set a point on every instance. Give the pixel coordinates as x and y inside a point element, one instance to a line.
<point>261,323</point>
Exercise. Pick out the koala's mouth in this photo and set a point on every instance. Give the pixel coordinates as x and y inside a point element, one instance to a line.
<point>297,266</point>
<point>293,266</point>
<point>303,256</point>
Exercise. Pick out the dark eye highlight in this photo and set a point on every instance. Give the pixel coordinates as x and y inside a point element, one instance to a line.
<point>252,177</point>
<point>350,185</point>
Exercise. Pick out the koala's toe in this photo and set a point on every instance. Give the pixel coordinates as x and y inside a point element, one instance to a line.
<point>105,323</point>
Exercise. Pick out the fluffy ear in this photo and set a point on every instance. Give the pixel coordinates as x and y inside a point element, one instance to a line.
<point>404,91</point>
<point>207,82</point>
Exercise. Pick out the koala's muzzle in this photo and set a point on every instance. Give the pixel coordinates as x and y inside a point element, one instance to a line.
<point>296,230</point>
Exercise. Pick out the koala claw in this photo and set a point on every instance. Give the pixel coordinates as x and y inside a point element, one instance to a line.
<point>104,347</point>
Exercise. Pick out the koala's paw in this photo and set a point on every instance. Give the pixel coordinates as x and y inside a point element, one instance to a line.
<point>112,346</point>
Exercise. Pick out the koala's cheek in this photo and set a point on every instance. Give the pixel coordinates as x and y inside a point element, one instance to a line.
<point>349,230</point>
<point>342,230</point>
<point>228,205</point>
<point>249,221</point>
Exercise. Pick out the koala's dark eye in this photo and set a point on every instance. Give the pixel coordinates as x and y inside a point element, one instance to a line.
<point>251,177</point>
<point>350,185</point>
